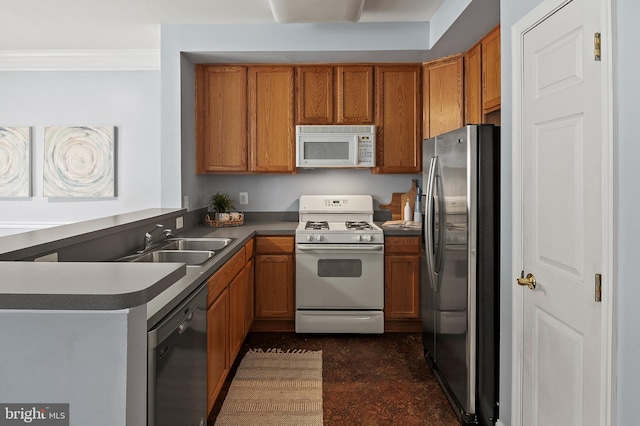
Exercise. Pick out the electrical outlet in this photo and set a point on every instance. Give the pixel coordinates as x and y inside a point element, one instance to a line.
<point>179,222</point>
<point>244,198</point>
<point>185,202</point>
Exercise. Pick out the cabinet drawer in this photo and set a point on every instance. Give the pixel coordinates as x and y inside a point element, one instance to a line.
<point>274,245</point>
<point>402,245</point>
<point>249,247</point>
<point>221,279</point>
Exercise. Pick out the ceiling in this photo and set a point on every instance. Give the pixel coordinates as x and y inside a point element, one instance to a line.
<point>31,25</point>
<point>86,24</point>
<point>144,12</point>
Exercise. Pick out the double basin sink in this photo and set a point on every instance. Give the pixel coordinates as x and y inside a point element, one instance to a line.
<point>190,251</point>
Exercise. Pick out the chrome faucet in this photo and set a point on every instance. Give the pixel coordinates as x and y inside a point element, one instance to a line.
<point>153,237</point>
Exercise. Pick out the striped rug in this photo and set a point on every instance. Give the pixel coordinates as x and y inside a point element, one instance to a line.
<point>275,388</point>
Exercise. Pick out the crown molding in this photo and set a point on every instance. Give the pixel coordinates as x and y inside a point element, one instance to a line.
<point>80,60</point>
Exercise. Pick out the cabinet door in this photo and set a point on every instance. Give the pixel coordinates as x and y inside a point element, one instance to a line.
<point>443,95</point>
<point>217,346</point>
<point>473,86</point>
<point>221,119</point>
<point>250,296</point>
<point>314,94</point>
<point>354,94</point>
<point>402,287</point>
<point>398,112</point>
<point>274,286</point>
<point>491,71</point>
<point>237,314</point>
<point>271,119</point>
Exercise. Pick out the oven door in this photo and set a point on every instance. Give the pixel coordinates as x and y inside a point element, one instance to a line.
<point>340,277</point>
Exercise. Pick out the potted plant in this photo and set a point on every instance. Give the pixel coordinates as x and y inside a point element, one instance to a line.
<point>221,203</point>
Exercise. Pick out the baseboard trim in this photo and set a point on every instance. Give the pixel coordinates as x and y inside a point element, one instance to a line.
<point>80,60</point>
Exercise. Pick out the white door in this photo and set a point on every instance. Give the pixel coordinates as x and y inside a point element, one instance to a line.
<point>562,219</point>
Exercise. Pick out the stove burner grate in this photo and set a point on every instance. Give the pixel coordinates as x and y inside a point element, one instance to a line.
<point>358,226</point>
<point>316,225</point>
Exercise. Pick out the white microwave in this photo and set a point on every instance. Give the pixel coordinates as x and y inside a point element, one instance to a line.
<point>335,146</point>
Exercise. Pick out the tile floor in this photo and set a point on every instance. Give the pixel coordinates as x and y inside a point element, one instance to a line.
<point>368,380</point>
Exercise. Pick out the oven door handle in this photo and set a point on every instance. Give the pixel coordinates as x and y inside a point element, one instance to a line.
<point>338,248</point>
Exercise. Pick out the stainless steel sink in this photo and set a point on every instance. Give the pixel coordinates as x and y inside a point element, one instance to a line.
<point>190,257</point>
<point>213,244</point>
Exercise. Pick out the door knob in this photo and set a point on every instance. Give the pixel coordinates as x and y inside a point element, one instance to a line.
<point>529,281</point>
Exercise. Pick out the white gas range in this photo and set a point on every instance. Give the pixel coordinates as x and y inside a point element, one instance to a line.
<point>339,266</point>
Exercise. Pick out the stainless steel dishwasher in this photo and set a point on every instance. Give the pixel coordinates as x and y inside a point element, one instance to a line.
<point>177,365</point>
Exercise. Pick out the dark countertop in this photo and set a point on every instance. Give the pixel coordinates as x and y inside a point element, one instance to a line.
<point>197,276</point>
<point>400,232</point>
<point>84,285</point>
<point>115,285</point>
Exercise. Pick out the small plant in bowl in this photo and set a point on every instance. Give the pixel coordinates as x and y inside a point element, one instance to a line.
<point>221,203</point>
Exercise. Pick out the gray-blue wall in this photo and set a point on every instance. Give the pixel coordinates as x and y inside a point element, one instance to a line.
<point>628,205</point>
<point>129,100</point>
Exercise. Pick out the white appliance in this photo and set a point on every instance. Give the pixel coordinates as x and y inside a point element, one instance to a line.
<point>335,146</point>
<point>339,266</point>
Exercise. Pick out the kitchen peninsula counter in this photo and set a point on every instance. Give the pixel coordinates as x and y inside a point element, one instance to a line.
<point>75,330</point>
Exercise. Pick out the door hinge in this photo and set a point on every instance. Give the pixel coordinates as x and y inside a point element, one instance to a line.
<point>598,287</point>
<point>596,46</point>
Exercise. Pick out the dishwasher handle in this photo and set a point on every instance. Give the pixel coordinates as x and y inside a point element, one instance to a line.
<point>183,327</point>
<point>178,319</point>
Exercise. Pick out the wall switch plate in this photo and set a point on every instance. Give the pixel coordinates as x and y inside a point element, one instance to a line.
<point>179,222</point>
<point>244,198</point>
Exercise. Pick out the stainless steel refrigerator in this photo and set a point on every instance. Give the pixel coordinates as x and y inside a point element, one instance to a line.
<point>460,268</point>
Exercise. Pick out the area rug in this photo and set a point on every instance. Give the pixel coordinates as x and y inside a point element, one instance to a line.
<point>275,387</point>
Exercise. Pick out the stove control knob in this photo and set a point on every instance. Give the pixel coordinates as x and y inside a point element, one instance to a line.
<point>309,237</point>
<point>320,238</point>
<point>358,237</point>
<point>368,238</point>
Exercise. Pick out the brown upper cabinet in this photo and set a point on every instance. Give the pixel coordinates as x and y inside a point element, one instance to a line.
<point>491,71</point>
<point>221,119</point>
<point>271,119</point>
<point>314,90</point>
<point>482,72</point>
<point>398,114</point>
<point>443,105</point>
<point>244,119</point>
<point>340,94</point>
<point>473,85</point>
<point>246,114</point>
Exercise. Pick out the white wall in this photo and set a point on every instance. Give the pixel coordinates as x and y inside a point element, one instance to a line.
<point>628,199</point>
<point>129,100</point>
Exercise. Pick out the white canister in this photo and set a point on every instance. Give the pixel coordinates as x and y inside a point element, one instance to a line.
<point>407,211</point>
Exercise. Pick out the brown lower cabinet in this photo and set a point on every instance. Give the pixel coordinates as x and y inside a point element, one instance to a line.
<point>274,283</point>
<point>229,316</point>
<point>402,283</point>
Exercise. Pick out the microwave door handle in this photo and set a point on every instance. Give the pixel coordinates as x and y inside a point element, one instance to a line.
<point>356,150</point>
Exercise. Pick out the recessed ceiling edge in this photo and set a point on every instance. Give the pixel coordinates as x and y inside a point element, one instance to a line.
<point>309,11</point>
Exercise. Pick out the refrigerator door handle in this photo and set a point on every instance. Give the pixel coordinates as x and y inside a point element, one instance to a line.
<point>429,224</point>
<point>440,253</point>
